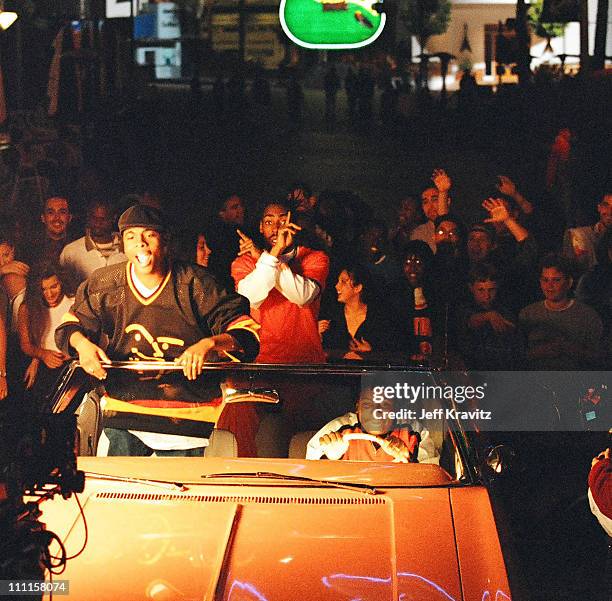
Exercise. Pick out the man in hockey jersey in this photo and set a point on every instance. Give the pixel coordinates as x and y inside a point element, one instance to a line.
<point>151,308</point>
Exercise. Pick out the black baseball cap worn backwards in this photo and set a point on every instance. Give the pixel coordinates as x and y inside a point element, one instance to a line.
<point>142,216</point>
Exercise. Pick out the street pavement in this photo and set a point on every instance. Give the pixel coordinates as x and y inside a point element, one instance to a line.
<point>191,150</point>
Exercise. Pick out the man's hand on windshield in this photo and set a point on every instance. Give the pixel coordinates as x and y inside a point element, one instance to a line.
<point>193,358</point>
<point>91,358</point>
<point>333,445</point>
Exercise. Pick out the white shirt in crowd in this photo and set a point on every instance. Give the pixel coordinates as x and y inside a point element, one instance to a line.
<point>83,256</point>
<point>55,318</point>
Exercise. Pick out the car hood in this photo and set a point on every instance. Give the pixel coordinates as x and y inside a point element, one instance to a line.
<point>246,540</point>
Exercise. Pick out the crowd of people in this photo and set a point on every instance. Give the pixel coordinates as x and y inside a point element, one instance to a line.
<point>329,281</point>
<point>326,278</point>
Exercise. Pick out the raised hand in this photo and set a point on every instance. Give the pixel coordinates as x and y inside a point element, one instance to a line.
<point>247,246</point>
<point>506,185</point>
<point>285,236</point>
<point>498,210</point>
<point>441,180</point>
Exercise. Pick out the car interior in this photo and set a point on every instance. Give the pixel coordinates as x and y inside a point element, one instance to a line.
<point>278,435</point>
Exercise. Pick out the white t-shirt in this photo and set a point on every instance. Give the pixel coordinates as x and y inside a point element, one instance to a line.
<point>55,319</point>
<point>83,256</point>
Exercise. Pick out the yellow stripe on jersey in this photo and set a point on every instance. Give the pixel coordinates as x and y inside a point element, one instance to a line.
<point>200,413</point>
<point>248,324</point>
<point>234,359</point>
<point>149,299</point>
<point>70,318</point>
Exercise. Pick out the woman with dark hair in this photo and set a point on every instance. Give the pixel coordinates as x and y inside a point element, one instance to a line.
<point>46,301</point>
<point>356,327</point>
<point>211,253</point>
<point>203,251</point>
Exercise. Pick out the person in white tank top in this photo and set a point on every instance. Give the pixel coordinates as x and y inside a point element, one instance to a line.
<point>41,312</point>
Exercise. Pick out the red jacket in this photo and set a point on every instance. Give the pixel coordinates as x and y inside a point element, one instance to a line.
<point>289,332</point>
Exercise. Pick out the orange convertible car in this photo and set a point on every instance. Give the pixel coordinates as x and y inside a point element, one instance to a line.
<point>414,522</point>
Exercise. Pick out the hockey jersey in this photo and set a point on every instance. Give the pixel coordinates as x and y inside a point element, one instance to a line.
<point>187,306</point>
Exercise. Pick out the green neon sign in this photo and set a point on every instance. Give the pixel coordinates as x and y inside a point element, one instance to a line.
<point>331,24</point>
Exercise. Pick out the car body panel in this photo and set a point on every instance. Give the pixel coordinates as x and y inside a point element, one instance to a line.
<point>483,572</point>
<point>245,539</point>
<point>233,528</point>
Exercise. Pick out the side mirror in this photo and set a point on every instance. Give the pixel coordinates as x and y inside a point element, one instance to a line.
<point>499,461</point>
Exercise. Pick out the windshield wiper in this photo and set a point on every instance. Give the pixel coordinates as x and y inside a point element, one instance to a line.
<point>166,484</point>
<point>355,487</point>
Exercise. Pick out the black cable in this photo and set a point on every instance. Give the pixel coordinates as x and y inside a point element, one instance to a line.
<point>61,561</point>
<point>84,525</point>
<point>86,533</point>
<point>59,566</point>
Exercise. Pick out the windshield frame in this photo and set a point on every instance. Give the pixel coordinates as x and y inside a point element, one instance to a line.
<point>74,382</point>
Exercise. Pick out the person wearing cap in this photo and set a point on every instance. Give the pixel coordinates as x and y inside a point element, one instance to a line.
<point>152,308</point>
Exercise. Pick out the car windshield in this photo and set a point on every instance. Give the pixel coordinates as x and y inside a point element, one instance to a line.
<point>338,419</point>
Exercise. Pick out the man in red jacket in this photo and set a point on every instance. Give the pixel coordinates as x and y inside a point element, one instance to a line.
<point>283,284</point>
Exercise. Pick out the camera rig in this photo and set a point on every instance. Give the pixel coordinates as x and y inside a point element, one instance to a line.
<point>37,462</point>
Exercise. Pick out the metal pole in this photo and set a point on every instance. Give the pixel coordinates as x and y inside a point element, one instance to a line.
<point>584,38</point>
<point>601,34</point>
<point>132,41</point>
